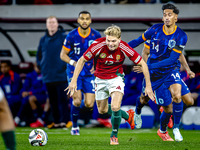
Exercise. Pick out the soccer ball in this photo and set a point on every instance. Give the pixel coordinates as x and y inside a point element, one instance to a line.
<point>38,137</point>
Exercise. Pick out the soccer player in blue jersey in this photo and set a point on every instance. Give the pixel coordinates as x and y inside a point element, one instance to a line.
<point>167,42</point>
<point>185,92</point>
<point>76,43</point>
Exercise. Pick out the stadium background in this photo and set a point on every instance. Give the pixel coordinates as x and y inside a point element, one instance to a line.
<point>21,26</point>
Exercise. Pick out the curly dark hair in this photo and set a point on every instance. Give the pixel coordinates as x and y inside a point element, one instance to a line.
<point>171,6</point>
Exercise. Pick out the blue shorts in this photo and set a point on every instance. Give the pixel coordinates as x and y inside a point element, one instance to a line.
<point>160,87</point>
<point>184,89</point>
<point>84,83</point>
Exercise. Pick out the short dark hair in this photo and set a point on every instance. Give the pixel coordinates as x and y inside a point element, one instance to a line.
<point>171,6</point>
<point>8,62</point>
<point>84,12</point>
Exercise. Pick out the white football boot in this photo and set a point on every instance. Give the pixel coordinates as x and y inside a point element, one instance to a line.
<point>138,120</point>
<point>177,135</point>
<point>75,131</point>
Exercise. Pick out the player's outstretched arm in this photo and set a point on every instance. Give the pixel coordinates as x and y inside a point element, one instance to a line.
<point>185,65</point>
<point>148,89</point>
<point>73,84</point>
<point>174,56</point>
<point>145,54</point>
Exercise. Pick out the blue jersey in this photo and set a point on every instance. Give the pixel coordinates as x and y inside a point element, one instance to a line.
<point>77,44</point>
<point>164,48</point>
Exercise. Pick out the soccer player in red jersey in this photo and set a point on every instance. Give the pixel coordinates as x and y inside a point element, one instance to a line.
<point>109,54</point>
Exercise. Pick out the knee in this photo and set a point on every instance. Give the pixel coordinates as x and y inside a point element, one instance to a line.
<point>102,111</point>
<point>176,97</point>
<point>77,102</point>
<point>32,98</point>
<point>89,104</point>
<point>115,108</point>
<point>169,110</point>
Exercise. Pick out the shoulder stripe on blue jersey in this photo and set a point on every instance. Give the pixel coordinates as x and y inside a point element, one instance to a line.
<point>67,49</point>
<point>176,50</point>
<point>143,37</point>
<point>147,46</point>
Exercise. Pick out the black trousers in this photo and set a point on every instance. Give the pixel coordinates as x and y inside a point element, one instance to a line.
<point>58,101</point>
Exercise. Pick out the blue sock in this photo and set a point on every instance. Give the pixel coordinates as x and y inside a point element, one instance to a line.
<point>43,117</point>
<point>198,100</point>
<point>164,120</point>
<point>138,106</point>
<point>75,115</point>
<point>35,113</point>
<point>22,107</point>
<point>82,104</point>
<point>177,112</point>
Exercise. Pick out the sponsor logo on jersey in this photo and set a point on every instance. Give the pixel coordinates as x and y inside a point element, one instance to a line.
<point>171,43</point>
<point>118,57</point>
<point>89,55</point>
<point>103,55</point>
<point>75,44</point>
<point>182,46</point>
<point>118,88</point>
<point>90,42</point>
<point>110,56</point>
<point>65,41</point>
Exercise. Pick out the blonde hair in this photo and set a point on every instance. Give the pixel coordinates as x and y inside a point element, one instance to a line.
<point>50,17</point>
<point>113,31</point>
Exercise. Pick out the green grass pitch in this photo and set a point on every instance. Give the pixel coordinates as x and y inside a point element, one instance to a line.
<point>99,138</point>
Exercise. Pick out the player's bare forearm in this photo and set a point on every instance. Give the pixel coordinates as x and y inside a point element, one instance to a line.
<point>145,53</point>
<point>78,68</point>
<point>148,89</point>
<point>73,84</point>
<point>64,56</point>
<point>186,66</point>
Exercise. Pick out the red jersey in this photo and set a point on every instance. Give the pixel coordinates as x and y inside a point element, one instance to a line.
<point>108,64</point>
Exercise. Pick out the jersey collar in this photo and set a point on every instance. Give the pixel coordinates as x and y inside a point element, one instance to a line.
<point>82,34</point>
<point>169,33</point>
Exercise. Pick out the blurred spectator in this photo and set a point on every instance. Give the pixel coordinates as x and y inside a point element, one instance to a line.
<point>43,118</point>
<point>195,89</point>
<point>5,2</point>
<point>175,1</point>
<point>11,85</point>
<point>24,1</point>
<point>53,71</point>
<point>84,1</point>
<point>43,2</point>
<point>133,88</point>
<point>33,92</point>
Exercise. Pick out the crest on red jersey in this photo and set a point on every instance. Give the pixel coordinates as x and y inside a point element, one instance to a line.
<point>103,55</point>
<point>118,57</point>
<point>89,55</point>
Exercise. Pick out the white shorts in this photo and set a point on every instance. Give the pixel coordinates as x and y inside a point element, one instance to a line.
<point>1,94</point>
<point>104,87</point>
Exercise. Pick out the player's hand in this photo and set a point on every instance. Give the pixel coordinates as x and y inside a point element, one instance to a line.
<point>71,88</point>
<point>24,94</point>
<point>137,69</point>
<point>191,74</point>
<point>149,92</point>
<point>74,64</point>
<point>92,70</point>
